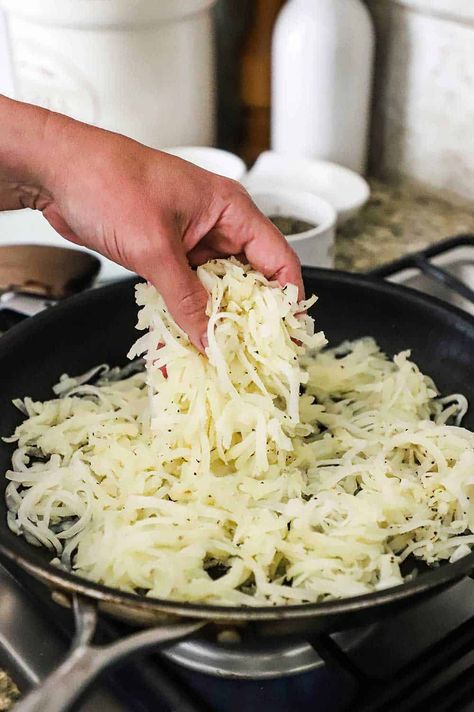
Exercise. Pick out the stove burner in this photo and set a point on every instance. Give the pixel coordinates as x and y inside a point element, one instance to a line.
<point>257,660</point>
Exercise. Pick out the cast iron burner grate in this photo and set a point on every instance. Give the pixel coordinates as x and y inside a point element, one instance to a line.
<point>420,660</point>
<point>444,270</point>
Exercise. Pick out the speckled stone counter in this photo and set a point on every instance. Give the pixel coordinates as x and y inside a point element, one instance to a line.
<point>397,220</point>
<point>9,693</point>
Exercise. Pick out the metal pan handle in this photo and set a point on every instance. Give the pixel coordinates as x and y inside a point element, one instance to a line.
<point>86,661</point>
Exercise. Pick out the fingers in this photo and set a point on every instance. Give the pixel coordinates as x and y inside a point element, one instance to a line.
<point>202,253</point>
<point>243,228</point>
<point>275,260</point>
<point>59,224</point>
<point>207,250</point>
<point>184,296</point>
<point>268,251</point>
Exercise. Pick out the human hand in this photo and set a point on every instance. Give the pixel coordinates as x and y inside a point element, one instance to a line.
<point>149,211</point>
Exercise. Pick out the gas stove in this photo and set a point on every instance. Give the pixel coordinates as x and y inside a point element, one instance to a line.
<point>421,659</point>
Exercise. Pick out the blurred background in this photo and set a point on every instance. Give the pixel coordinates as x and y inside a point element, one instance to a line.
<point>381,88</point>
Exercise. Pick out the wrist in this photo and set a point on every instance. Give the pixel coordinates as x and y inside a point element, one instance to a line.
<point>22,129</point>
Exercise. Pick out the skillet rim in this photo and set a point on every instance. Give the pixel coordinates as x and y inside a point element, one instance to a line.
<point>437,577</point>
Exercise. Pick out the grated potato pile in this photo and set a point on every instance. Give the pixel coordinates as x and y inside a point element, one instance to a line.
<point>269,472</point>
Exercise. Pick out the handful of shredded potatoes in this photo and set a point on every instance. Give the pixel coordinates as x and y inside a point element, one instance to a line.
<point>269,472</point>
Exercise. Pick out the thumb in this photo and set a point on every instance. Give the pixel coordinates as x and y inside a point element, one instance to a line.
<point>184,296</point>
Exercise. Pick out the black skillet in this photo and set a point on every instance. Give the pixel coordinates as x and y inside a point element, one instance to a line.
<point>98,327</point>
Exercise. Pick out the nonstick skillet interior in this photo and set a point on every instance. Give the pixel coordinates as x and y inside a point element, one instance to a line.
<point>98,327</point>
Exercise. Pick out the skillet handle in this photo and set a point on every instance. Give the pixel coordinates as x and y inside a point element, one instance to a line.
<point>86,661</point>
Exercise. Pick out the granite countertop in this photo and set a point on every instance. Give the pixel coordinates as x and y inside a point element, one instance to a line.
<point>397,220</point>
<point>9,693</point>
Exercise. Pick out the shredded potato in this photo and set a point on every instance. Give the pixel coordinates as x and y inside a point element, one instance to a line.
<point>268,472</point>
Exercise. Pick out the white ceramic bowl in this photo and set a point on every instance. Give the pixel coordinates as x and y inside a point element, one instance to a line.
<point>216,160</point>
<point>346,190</point>
<point>314,247</point>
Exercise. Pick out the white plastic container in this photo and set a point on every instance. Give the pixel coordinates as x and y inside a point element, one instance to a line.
<point>314,247</point>
<point>143,68</point>
<point>346,190</point>
<point>322,57</point>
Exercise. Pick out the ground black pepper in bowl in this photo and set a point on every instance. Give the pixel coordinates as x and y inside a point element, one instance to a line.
<point>289,225</point>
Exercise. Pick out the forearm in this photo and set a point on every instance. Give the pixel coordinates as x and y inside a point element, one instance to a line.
<point>26,155</point>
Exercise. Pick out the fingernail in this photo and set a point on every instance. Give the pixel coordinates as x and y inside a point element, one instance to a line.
<point>204,341</point>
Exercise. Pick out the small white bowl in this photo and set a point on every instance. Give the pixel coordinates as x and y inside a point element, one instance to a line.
<point>314,247</point>
<point>215,160</point>
<point>346,190</point>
